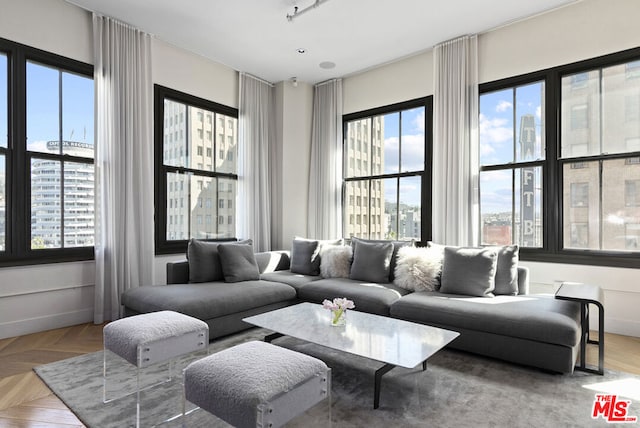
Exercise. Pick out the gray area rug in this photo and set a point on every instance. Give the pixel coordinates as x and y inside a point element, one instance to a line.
<point>456,390</point>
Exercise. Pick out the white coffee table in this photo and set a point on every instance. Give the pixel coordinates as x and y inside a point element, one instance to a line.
<point>388,340</point>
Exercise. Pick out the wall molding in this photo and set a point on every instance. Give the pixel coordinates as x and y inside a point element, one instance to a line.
<point>45,290</point>
<point>49,322</point>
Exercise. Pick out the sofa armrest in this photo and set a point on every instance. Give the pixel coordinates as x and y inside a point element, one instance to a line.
<point>270,261</point>
<point>523,280</point>
<point>178,272</point>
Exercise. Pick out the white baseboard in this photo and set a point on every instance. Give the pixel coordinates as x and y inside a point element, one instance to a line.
<point>48,322</point>
<point>620,326</point>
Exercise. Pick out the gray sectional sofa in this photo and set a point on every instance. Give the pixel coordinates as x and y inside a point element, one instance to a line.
<point>534,330</point>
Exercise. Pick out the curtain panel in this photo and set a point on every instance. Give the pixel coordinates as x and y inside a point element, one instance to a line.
<point>256,137</point>
<point>325,172</point>
<point>123,163</point>
<point>456,211</point>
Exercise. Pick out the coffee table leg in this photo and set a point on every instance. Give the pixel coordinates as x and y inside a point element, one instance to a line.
<point>378,379</point>
<point>273,336</point>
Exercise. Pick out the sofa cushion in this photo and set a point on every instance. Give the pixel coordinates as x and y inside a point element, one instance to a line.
<point>305,257</point>
<point>207,300</point>
<point>396,247</point>
<point>238,263</point>
<point>335,261</point>
<point>296,280</point>
<point>371,261</point>
<point>418,269</point>
<point>507,270</point>
<point>533,317</point>
<point>369,297</point>
<point>469,271</point>
<point>204,261</point>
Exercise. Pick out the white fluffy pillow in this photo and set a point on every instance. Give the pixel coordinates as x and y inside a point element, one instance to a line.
<point>335,261</point>
<point>418,268</point>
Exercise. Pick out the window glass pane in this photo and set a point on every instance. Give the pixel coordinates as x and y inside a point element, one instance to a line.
<point>620,108</point>
<point>388,126</point>
<point>511,207</point>
<point>78,205</point>
<point>496,207</point>
<point>620,205</point>
<point>4,119</point>
<point>227,145</point>
<point>356,207</point>
<point>580,122</point>
<point>43,107</point>
<point>3,202</point>
<point>581,206</point>
<point>175,134</point>
<point>358,150</point>
<point>178,187</point>
<point>46,218</point>
<point>77,115</point>
<point>390,191</point>
<point>530,122</point>
<point>202,189</point>
<point>227,192</point>
<point>496,127</point>
<point>199,139</point>
<point>409,208</point>
<point>412,155</point>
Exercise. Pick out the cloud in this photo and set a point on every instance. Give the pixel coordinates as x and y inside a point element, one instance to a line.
<point>539,112</point>
<point>412,153</point>
<point>419,121</point>
<point>495,130</point>
<point>503,106</point>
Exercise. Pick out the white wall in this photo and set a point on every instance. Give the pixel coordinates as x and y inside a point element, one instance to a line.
<point>583,30</point>
<point>293,133</point>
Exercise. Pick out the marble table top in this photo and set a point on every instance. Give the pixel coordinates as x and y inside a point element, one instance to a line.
<point>384,339</point>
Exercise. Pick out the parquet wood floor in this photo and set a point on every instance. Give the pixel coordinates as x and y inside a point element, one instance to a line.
<point>26,402</point>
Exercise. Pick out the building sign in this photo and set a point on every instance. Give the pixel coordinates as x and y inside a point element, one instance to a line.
<point>527,182</point>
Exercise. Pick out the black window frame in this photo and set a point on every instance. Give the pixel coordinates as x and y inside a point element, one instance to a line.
<point>162,245</point>
<point>552,250</point>
<point>426,176</point>
<point>18,250</point>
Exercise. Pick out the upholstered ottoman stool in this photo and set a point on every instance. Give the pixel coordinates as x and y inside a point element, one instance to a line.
<point>148,341</point>
<point>257,384</point>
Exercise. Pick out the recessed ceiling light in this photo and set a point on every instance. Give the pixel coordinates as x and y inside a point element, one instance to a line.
<point>301,50</point>
<point>327,65</point>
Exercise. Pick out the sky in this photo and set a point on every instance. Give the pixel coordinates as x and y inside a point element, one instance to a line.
<point>411,123</point>
<point>500,116</point>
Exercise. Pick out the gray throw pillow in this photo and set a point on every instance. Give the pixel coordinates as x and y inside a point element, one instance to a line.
<point>394,256</point>
<point>371,261</point>
<point>238,263</point>
<point>469,271</point>
<point>305,257</point>
<point>204,262</point>
<point>507,270</point>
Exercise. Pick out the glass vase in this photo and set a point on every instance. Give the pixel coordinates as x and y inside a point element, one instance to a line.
<point>338,317</point>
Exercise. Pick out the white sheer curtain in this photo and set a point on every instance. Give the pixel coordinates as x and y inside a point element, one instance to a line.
<point>123,163</point>
<point>455,152</point>
<point>325,174</point>
<point>256,137</point>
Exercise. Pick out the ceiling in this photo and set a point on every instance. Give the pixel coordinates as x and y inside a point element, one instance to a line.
<point>255,36</point>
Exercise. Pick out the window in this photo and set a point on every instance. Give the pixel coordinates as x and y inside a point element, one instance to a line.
<point>199,184</point>
<point>581,122</point>
<point>385,159</point>
<point>602,196</point>
<point>512,153</point>
<point>47,208</point>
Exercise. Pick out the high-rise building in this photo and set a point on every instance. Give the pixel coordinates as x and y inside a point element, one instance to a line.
<point>72,206</point>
